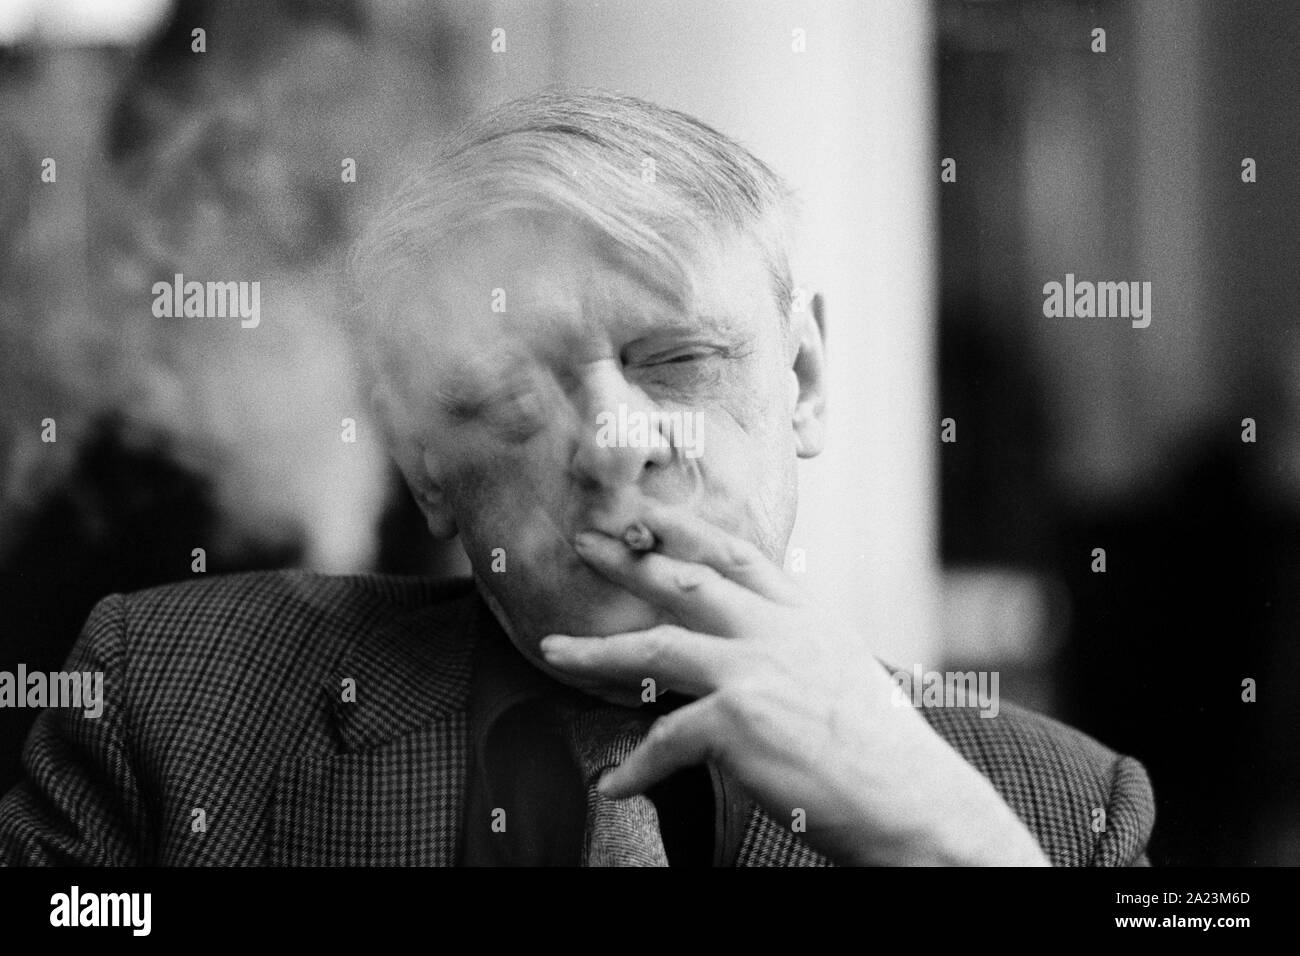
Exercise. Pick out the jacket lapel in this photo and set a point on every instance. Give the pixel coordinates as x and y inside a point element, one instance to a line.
<point>391,794</point>
<point>767,843</point>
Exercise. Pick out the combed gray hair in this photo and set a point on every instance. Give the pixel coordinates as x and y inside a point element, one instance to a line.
<point>656,181</point>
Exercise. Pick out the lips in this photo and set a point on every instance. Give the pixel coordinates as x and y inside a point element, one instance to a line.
<point>613,517</point>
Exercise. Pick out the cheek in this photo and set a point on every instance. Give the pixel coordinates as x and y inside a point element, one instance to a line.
<point>504,496</point>
<point>750,466</point>
<point>755,425</point>
<point>745,471</point>
<point>516,536</point>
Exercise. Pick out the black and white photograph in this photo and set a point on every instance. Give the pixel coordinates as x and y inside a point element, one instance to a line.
<point>843,434</point>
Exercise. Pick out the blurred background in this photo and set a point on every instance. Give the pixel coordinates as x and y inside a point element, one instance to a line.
<point>1119,163</point>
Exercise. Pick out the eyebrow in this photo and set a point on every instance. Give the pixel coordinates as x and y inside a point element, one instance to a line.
<point>695,322</point>
<point>642,323</point>
<point>722,325</point>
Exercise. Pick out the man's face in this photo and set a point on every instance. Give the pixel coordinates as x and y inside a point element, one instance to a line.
<point>533,336</point>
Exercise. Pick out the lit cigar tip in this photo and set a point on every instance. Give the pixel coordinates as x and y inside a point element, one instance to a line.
<point>638,537</point>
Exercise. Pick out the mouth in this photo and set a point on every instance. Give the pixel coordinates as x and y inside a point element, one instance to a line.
<point>614,522</point>
<point>619,518</point>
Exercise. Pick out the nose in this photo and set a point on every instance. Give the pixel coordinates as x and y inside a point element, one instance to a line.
<point>618,440</point>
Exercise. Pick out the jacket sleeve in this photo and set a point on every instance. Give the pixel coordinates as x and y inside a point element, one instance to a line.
<point>80,803</point>
<point>1130,816</point>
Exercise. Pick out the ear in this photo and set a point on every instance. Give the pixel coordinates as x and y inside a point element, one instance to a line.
<point>416,462</point>
<point>809,418</point>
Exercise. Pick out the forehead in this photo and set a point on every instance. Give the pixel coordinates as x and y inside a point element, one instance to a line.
<point>541,280</point>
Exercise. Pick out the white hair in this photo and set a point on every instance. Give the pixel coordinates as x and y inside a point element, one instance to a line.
<point>655,181</point>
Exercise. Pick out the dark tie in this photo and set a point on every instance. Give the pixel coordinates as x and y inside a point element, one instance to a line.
<point>618,832</point>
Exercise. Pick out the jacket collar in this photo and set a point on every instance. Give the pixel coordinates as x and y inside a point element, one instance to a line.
<point>411,671</point>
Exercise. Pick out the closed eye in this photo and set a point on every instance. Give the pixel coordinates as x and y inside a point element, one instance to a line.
<point>514,413</point>
<point>517,416</point>
<point>681,357</point>
<point>683,371</point>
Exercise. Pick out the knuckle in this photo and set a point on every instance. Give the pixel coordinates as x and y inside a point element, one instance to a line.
<point>688,577</point>
<point>659,647</point>
<point>740,556</point>
<point>662,732</point>
<point>654,648</point>
<point>735,700</point>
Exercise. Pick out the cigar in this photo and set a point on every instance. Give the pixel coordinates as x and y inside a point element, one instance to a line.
<point>638,537</point>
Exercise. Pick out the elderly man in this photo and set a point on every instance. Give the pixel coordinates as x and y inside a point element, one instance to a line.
<point>588,368</point>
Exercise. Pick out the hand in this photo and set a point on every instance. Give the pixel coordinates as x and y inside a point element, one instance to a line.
<point>790,703</point>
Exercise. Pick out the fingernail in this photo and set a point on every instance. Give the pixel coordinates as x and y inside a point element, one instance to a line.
<point>585,541</point>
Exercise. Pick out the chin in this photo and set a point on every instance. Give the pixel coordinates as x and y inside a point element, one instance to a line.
<point>632,615</point>
<point>585,606</point>
<point>605,609</point>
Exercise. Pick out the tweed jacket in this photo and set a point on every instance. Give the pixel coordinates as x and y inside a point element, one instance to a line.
<point>229,737</point>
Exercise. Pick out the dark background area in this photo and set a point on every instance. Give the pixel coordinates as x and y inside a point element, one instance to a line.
<point>1088,433</point>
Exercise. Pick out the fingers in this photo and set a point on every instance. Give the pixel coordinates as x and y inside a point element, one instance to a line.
<point>697,596</point>
<point>676,659</point>
<point>689,538</point>
<point>680,739</point>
